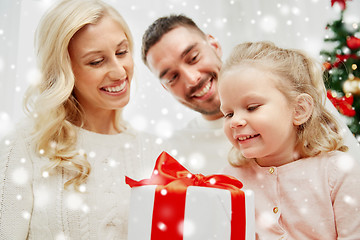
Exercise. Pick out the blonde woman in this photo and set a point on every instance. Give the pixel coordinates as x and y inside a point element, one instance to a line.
<point>63,173</point>
<point>287,146</point>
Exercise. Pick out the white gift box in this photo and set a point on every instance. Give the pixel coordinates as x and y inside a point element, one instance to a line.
<point>207,213</point>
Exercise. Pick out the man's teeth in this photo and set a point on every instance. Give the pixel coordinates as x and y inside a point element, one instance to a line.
<point>115,89</point>
<point>204,91</point>
<point>247,137</point>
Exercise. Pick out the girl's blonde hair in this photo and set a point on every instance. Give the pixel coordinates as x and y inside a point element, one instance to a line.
<point>51,102</point>
<point>298,73</point>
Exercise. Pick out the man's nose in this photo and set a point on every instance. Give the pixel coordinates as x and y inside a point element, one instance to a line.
<point>191,77</point>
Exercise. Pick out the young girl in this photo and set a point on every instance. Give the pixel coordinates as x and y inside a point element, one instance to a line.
<point>63,175</point>
<point>287,146</point>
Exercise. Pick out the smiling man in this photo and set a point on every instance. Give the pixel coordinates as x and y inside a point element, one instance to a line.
<point>187,61</point>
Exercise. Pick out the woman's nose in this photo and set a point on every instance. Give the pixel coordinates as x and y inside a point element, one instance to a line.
<point>117,70</point>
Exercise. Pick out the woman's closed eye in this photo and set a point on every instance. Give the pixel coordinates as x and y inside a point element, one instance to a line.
<point>122,53</point>
<point>96,62</point>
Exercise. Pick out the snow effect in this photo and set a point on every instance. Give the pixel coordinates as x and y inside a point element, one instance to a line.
<point>161,123</point>
<point>74,201</point>
<point>2,64</point>
<point>346,163</point>
<point>197,160</point>
<point>20,176</point>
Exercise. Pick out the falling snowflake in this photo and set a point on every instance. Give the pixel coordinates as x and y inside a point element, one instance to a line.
<point>138,122</point>
<point>266,219</point>
<point>61,236</point>
<point>6,124</point>
<point>197,161</point>
<point>74,201</point>
<point>26,215</point>
<point>20,176</point>
<point>164,128</point>
<point>33,76</point>
<point>162,226</point>
<point>268,24</point>
<point>41,197</point>
<point>1,65</point>
<point>189,227</point>
<point>345,163</point>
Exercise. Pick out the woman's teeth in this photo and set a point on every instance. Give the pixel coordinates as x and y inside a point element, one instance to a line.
<point>115,89</point>
<point>204,91</point>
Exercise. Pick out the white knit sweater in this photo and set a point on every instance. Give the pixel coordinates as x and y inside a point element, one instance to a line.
<point>34,205</point>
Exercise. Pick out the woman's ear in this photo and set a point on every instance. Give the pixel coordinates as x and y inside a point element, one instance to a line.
<point>215,44</point>
<point>304,106</point>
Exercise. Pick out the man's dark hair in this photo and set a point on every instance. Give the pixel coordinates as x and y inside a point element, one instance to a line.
<point>160,27</point>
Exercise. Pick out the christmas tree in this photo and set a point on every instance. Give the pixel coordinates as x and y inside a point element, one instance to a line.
<point>342,64</point>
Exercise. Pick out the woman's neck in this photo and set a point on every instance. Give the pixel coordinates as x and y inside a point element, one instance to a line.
<point>102,122</point>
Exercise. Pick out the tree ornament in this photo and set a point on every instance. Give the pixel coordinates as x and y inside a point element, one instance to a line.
<point>327,65</point>
<point>352,85</point>
<point>343,58</point>
<point>342,3</point>
<point>353,42</point>
<point>342,104</point>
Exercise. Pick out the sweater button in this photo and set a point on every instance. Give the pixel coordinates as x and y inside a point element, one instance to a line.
<point>275,210</point>
<point>271,170</point>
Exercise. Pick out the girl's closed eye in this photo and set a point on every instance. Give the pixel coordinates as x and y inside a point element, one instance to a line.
<point>228,115</point>
<point>251,108</point>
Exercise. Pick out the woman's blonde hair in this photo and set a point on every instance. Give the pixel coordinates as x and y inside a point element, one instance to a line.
<point>298,73</point>
<point>51,102</point>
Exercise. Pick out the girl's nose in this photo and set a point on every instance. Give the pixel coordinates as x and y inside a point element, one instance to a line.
<point>237,121</point>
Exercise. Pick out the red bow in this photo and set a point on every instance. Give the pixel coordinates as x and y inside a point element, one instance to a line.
<point>172,180</point>
<point>343,104</point>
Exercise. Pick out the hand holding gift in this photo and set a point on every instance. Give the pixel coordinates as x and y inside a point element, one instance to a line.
<point>176,204</point>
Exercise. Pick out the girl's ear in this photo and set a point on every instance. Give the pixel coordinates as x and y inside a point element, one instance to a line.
<point>304,106</point>
<point>215,44</point>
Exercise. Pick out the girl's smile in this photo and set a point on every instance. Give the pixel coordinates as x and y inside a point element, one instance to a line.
<point>258,117</point>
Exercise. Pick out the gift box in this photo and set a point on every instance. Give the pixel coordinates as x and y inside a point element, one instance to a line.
<point>175,204</point>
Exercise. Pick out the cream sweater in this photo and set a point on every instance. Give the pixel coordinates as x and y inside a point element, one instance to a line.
<point>34,204</point>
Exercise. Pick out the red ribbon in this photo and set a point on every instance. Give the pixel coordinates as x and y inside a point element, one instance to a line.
<point>170,196</point>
